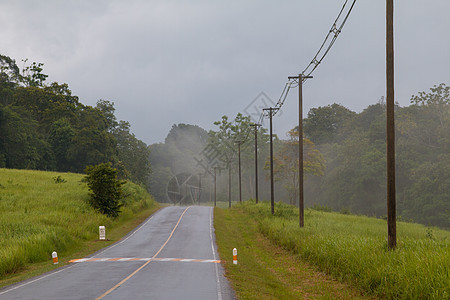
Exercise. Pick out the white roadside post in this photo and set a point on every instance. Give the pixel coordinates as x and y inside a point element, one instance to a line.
<point>55,257</point>
<point>102,232</point>
<point>234,256</point>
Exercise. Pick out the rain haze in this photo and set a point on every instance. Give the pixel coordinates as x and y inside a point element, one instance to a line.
<point>170,62</point>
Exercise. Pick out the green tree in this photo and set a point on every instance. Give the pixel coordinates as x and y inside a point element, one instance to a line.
<point>107,108</point>
<point>9,70</point>
<point>323,123</point>
<point>423,146</point>
<point>105,189</point>
<point>228,134</point>
<point>133,153</point>
<point>9,78</point>
<point>92,143</point>
<point>438,100</point>
<point>60,138</point>
<point>21,145</point>
<point>32,74</point>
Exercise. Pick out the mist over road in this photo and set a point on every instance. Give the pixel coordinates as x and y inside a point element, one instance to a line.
<point>172,255</point>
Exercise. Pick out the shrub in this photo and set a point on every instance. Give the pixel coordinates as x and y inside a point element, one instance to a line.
<point>105,189</point>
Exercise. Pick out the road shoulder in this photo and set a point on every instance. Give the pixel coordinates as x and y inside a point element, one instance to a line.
<point>266,271</point>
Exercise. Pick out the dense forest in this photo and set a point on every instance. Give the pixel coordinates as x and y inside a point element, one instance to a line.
<point>44,127</point>
<point>354,147</point>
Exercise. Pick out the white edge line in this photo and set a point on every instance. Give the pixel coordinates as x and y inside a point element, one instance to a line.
<point>211,234</point>
<point>37,279</point>
<point>219,288</point>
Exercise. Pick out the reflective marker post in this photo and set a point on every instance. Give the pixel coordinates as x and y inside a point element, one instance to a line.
<point>55,258</point>
<point>102,232</point>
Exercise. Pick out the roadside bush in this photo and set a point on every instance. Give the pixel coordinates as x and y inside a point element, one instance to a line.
<point>105,189</point>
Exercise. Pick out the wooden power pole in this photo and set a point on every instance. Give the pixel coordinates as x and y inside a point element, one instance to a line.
<point>301,205</point>
<point>229,182</point>
<point>256,160</point>
<point>215,186</point>
<point>240,178</point>
<point>390,126</point>
<point>272,194</point>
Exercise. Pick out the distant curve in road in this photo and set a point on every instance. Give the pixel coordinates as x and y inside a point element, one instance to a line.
<point>172,255</point>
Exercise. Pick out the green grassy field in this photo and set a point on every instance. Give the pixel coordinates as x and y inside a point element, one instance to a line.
<point>42,212</point>
<point>353,249</point>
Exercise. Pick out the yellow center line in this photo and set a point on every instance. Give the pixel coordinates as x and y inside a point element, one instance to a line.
<point>141,267</point>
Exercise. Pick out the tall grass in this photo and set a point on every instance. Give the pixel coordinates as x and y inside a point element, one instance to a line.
<point>354,249</point>
<point>40,213</point>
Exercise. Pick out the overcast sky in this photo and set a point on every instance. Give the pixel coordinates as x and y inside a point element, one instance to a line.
<point>164,62</point>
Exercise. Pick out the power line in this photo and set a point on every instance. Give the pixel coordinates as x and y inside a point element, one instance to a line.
<point>315,62</point>
<point>336,30</point>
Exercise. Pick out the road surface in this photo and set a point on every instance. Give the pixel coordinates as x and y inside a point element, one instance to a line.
<point>172,255</point>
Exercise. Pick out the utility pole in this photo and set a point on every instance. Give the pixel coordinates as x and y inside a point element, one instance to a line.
<point>390,126</point>
<point>199,187</point>
<point>256,160</point>
<point>272,196</point>
<point>229,182</point>
<point>240,179</point>
<point>301,202</point>
<point>215,186</point>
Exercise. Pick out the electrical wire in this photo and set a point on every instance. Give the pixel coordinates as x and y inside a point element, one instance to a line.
<point>315,62</point>
<point>336,30</point>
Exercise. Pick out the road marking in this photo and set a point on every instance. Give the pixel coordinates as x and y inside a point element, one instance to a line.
<point>37,279</point>
<point>218,285</point>
<point>120,259</point>
<point>141,267</point>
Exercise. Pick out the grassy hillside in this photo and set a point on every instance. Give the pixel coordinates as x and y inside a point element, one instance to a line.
<point>42,212</point>
<point>354,249</point>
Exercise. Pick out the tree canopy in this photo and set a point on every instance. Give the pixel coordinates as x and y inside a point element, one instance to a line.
<point>44,127</point>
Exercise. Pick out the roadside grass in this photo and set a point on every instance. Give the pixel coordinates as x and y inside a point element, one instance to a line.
<point>265,270</point>
<point>354,249</point>
<point>42,212</point>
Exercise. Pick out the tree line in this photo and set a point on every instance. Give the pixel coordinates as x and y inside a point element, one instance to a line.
<point>354,148</point>
<point>345,159</point>
<point>44,127</point>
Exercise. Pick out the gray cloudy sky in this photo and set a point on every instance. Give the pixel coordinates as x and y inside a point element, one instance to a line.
<point>164,62</point>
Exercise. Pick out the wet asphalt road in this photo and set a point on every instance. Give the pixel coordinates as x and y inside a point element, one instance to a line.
<point>159,274</point>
